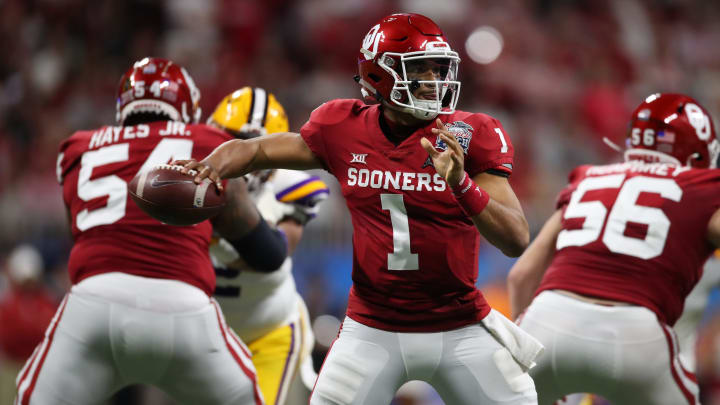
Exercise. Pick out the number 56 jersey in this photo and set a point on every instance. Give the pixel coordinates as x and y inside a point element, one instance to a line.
<point>415,253</point>
<point>111,233</point>
<point>635,232</point>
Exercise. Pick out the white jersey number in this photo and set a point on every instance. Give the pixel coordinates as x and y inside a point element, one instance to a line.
<point>504,147</point>
<point>113,186</point>
<point>624,209</point>
<point>401,258</point>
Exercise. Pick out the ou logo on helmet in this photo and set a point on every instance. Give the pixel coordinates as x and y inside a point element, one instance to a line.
<point>699,120</point>
<point>371,41</point>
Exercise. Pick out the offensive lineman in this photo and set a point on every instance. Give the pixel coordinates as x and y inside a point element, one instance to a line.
<point>611,269</point>
<point>140,309</point>
<point>414,311</point>
<point>265,310</point>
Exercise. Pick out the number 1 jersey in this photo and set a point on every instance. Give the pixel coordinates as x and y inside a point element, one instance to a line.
<point>415,253</point>
<point>111,233</point>
<point>635,232</point>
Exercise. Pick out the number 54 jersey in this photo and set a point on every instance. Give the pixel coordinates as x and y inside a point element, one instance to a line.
<point>415,253</point>
<point>111,233</point>
<point>635,232</point>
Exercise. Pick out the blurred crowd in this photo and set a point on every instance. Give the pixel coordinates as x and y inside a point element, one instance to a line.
<point>568,74</point>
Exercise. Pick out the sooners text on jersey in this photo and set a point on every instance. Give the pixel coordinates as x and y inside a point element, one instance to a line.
<point>111,233</point>
<point>635,232</point>
<point>415,253</point>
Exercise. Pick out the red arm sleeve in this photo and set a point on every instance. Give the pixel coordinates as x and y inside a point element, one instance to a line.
<point>490,147</point>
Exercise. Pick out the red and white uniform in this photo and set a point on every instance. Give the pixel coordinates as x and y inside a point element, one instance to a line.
<point>415,252</point>
<point>415,256</point>
<point>111,233</point>
<point>651,256</point>
<point>631,232</point>
<point>140,300</point>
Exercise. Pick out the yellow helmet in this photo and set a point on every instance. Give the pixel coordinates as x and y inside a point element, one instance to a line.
<point>250,112</point>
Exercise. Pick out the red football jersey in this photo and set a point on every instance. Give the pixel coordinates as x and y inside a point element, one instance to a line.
<point>635,232</point>
<point>415,253</point>
<point>111,233</point>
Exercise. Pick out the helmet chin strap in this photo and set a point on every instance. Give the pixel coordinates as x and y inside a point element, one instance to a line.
<point>612,145</point>
<point>421,115</point>
<point>426,104</point>
<point>424,115</point>
<point>652,156</point>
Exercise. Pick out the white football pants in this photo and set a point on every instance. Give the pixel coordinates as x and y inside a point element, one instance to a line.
<point>466,366</point>
<point>622,353</point>
<point>114,330</point>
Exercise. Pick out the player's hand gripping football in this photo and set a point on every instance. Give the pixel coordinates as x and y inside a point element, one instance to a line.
<point>204,169</point>
<point>450,162</point>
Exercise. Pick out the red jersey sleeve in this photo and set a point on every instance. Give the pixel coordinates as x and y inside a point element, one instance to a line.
<point>563,197</point>
<point>68,156</point>
<point>59,163</point>
<point>315,131</point>
<point>490,146</point>
<point>312,134</point>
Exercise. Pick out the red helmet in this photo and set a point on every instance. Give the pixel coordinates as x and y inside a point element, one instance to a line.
<point>405,43</point>
<point>672,128</point>
<point>159,86</point>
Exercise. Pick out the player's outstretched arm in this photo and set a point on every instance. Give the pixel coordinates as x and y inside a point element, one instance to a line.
<point>263,248</point>
<point>235,158</point>
<point>239,214</point>
<point>495,209</point>
<point>527,272</point>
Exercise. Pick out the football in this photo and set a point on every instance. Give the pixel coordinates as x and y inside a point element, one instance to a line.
<point>172,197</point>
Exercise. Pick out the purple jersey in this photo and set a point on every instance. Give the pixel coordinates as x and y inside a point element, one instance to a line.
<point>415,253</point>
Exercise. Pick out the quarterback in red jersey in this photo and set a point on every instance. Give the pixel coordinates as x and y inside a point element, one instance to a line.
<point>140,309</point>
<point>414,311</point>
<point>610,270</point>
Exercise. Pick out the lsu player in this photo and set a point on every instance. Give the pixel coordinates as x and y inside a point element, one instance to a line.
<point>265,308</point>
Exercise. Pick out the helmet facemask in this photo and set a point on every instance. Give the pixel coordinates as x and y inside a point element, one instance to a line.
<point>406,67</point>
<point>158,87</point>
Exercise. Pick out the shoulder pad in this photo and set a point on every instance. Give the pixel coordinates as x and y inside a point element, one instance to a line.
<point>577,172</point>
<point>70,152</point>
<point>479,118</point>
<point>694,175</point>
<point>210,130</point>
<point>476,120</point>
<point>336,111</point>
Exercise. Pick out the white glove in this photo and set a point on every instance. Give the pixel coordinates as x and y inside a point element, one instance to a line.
<point>270,208</point>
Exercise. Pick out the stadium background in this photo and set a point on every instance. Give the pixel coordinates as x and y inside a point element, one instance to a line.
<point>559,75</point>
